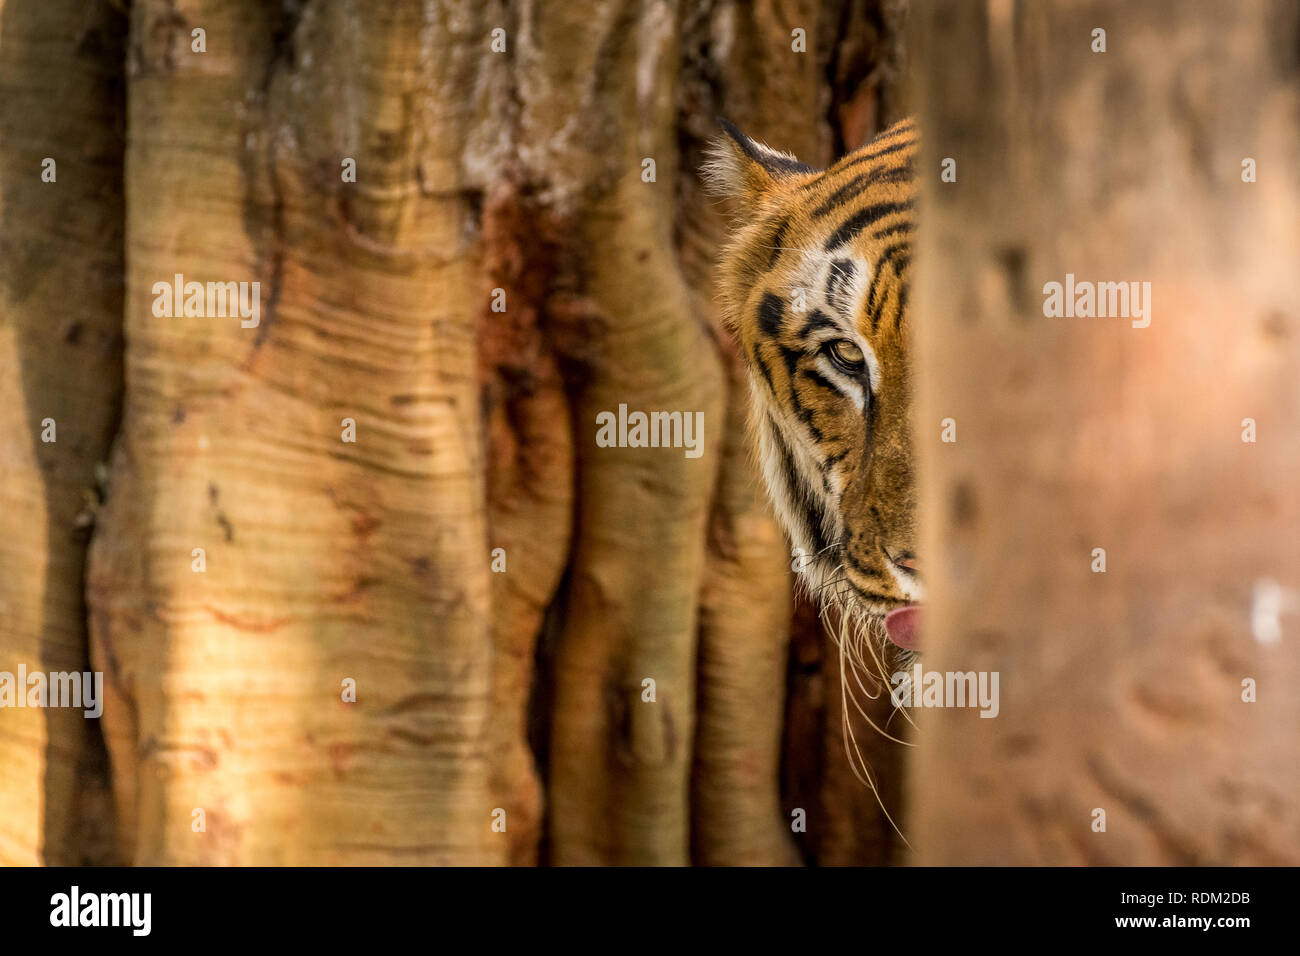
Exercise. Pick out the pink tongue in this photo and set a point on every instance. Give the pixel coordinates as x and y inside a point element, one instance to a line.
<point>902,626</point>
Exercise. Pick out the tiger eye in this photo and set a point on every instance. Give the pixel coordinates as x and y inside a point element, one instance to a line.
<point>847,356</point>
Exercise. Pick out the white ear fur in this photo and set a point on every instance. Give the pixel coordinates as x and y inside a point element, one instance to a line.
<point>724,172</point>
<point>743,168</point>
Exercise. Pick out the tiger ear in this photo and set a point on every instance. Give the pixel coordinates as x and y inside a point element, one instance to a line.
<point>744,169</point>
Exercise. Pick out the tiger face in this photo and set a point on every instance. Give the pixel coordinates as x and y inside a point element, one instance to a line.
<point>814,283</point>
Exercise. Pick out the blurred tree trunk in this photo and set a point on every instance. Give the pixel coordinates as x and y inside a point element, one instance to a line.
<point>61,99</point>
<point>1120,691</point>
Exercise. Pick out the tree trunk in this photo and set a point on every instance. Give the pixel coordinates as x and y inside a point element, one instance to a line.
<point>60,348</point>
<point>1122,692</point>
<point>326,561</point>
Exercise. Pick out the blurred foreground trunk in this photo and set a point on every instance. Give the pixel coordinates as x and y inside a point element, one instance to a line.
<point>1148,711</point>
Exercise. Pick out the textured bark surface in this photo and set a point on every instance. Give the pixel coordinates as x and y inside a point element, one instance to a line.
<point>530,480</point>
<point>1120,691</point>
<point>325,560</point>
<point>61,98</point>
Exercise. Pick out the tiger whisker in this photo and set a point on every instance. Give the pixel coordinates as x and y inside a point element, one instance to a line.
<point>857,762</point>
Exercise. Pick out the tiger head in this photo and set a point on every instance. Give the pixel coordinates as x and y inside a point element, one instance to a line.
<point>814,283</point>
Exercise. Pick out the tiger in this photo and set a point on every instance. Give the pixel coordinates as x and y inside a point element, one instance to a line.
<point>813,283</point>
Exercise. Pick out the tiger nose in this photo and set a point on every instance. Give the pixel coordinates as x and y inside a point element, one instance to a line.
<point>907,561</point>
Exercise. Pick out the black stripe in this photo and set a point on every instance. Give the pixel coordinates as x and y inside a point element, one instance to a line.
<point>848,190</point>
<point>770,312</point>
<point>802,503</point>
<point>820,544</point>
<point>830,461</point>
<point>860,220</point>
<point>762,368</point>
<point>841,273</point>
<point>859,184</point>
<point>792,357</point>
<point>883,145</point>
<point>884,302</point>
<point>869,414</point>
<point>801,411</point>
<point>876,288</point>
<point>859,566</point>
<point>805,414</point>
<point>877,311</point>
<point>818,320</point>
<point>819,379</point>
<point>777,249</point>
<point>902,304</point>
<point>898,305</point>
<point>886,259</point>
<point>857,159</point>
<point>872,289</point>
<point>787,470</point>
<point>897,228</point>
<point>777,165</point>
<point>891,252</point>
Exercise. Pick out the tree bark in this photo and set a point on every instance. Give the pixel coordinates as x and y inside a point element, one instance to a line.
<point>326,560</point>
<point>621,749</point>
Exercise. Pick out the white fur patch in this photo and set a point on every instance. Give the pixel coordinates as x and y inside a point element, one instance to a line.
<point>723,172</point>
<point>729,172</point>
